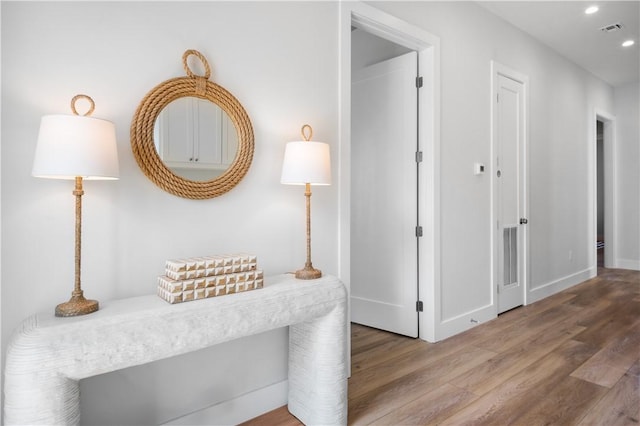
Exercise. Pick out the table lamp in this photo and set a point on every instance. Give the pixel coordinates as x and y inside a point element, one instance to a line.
<point>76,147</point>
<point>307,163</point>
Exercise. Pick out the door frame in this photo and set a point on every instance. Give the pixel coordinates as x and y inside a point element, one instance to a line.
<point>609,152</point>
<point>498,69</point>
<point>381,24</point>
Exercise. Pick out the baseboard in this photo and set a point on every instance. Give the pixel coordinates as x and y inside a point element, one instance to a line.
<point>463,322</point>
<point>628,264</point>
<point>240,409</point>
<point>556,286</point>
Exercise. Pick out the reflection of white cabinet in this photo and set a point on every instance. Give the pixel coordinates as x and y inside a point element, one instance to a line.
<point>194,133</point>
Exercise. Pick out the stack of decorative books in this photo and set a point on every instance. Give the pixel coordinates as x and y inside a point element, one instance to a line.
<point>203,277</point>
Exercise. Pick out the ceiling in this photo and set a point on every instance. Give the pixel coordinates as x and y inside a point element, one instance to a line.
<point>563,26</point>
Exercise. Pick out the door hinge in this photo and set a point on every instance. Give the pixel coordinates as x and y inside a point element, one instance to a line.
<point>418,82</point>
<point>418,231</point>
<point>497,97</point>
<point>418,156</point>
<point>419,306</point>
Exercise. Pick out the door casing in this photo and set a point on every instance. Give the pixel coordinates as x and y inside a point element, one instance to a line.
<point>377,22</point>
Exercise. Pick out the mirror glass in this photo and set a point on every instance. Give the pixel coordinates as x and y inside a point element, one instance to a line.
<point>195,138</point>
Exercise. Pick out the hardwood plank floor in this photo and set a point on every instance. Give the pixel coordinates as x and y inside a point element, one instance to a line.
<point>570,359</point>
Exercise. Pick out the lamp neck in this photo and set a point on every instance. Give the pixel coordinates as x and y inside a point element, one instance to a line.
<point>307,194</point>
<point>78,192</point>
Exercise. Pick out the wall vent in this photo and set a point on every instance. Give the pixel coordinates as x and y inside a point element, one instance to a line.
<point>611,28</point>
<point>510,255</point>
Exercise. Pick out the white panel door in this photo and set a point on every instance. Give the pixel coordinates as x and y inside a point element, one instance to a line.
<point>384,196</point>
<point>510,192</point>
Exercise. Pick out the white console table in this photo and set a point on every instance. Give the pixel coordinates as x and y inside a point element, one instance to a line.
<point>47,356</point>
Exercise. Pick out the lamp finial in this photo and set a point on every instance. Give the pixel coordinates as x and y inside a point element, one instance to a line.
<point>304,135</point>
<point>92,105</point>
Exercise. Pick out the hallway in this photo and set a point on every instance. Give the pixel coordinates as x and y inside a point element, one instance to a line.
<point>569,359</point>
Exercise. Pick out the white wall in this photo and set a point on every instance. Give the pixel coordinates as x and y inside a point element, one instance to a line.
<point>627,112</point>
<point>562,101</point>
<point>279,59</point>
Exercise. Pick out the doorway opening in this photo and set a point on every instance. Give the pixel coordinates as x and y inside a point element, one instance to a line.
<point>603,240</point>
<point>600,242</point>
<point>426,236</point>
<point>384,183</point>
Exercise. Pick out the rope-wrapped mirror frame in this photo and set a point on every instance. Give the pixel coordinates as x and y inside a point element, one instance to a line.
<point>159,97</point>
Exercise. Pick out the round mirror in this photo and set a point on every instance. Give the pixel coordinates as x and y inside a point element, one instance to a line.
<point>195,138</point>
<point>191,137</point>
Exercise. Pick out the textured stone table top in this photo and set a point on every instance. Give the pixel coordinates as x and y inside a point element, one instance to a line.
<point>123,333</point>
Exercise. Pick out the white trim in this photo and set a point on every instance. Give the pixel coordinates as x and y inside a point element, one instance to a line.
<point>1,257</point>
<point>240,409</point>
<point>344,165</point>
<point>632,264</point>
<point>465,321</point>
<point>391,28</point>
<point>496,70</point>
<point>610,195</point>
<point>429,204</point>
<point>553,287</point>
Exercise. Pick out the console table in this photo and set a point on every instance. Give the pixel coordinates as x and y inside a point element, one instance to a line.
<point>47,356</point>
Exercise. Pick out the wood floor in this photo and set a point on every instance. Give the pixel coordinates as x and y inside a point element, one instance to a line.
<point>570,359</point>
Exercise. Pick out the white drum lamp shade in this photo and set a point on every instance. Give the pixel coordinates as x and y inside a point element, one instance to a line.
<point>306,162</point>
<point>71,145</point>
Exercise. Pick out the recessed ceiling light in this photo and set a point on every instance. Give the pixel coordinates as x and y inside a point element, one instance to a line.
<point>591,9</point>
<point>628,43</point>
